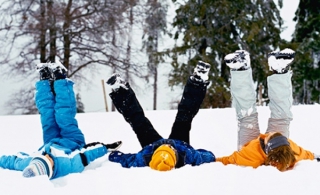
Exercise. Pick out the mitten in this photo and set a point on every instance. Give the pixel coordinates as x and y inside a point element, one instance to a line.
<point>207,156</point>
<point>115,156</point>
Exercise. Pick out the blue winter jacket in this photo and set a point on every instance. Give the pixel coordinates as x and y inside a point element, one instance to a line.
<point>186,155</point>
<point>63,140</point>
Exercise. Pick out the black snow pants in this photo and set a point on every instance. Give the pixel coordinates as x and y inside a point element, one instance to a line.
<point>127,104</point>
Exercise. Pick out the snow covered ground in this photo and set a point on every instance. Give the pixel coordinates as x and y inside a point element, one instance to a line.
<point>212,129</point>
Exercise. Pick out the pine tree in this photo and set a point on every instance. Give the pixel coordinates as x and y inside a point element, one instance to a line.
<point>306,77</point>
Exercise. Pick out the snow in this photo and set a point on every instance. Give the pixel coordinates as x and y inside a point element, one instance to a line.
<point>212,129</point>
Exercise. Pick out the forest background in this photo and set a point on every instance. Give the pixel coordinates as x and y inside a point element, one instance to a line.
<point>154,45</point>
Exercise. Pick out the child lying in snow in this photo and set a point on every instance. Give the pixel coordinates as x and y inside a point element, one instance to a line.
<point>64,150</point>
<point>274,147</point>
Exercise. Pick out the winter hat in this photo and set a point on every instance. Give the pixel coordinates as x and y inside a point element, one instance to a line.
<point>276,142</point>
<point>164,158</point>
<point>39,165</point>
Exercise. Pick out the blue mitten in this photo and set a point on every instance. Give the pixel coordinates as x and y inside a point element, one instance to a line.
<point>207,156</point>
<point>115,156</point>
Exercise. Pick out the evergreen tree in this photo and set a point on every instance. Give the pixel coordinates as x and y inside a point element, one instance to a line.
<point>210,29</point>
<point>306,77</point>
<point>156,24</point>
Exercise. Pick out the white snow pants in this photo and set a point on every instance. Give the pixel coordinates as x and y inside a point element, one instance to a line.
<point>244,101</point>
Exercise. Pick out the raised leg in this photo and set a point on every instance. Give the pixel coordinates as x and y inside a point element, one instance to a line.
<point>244,101</point>
<point>280,95</point>
<point>65,112</point>
<point>45,102</point>
<point>127,104</point>
<point>243,96</point>
<point>280,91</point>
<point>192,97</point>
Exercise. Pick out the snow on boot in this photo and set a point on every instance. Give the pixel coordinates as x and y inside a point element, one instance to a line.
<point>279,62</point>
<point>201,72</point>
<point>44,71</point>
<point>114,146</point>
<point>115,81</point>
<point>59,71</point>
<point>239,60</point>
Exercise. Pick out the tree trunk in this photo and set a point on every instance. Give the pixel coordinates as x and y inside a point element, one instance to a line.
<point>155,88</point>
<point>53,32</point>
<point>66,36</point>
<point>42,42</point>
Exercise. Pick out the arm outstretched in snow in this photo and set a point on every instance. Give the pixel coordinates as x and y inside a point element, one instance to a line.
<point>201,156</point>
<point>127,160</point>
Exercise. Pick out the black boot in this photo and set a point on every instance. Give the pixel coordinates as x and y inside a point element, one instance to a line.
<point>44,71</point>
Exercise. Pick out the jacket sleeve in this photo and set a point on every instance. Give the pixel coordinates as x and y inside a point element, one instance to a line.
<point>127,160</point>
<point>250,155</point>
<point>92,153</point>
<point>65,164</point>
<point>301,154</point>
<point>15,162</point>
<point>75,162</point>
<point>199,157</point>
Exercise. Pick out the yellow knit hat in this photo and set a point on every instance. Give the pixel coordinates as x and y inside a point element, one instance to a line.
<point>164,158</point>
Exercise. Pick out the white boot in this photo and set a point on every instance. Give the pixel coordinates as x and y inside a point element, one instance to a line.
<point>279,62</point>
<point>239,60</point>
<point>201,71</point>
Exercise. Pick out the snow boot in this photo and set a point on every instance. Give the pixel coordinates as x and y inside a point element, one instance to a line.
<point>115,81</point>
<point>201,72</point>
<point>279,62</point>
<point>239,60</point>
<point>44,71</point>
<point>59,71</point>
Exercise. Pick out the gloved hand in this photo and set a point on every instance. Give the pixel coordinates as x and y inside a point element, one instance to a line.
<point>115,156</point>
<point>317,157</point>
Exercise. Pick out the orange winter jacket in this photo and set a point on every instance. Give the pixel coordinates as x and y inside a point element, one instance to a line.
<point>252,154</point>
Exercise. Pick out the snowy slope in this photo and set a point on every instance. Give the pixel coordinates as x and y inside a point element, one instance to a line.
<point>213,129</point>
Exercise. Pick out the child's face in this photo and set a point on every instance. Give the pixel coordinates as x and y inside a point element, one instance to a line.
<point>50,159</point>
